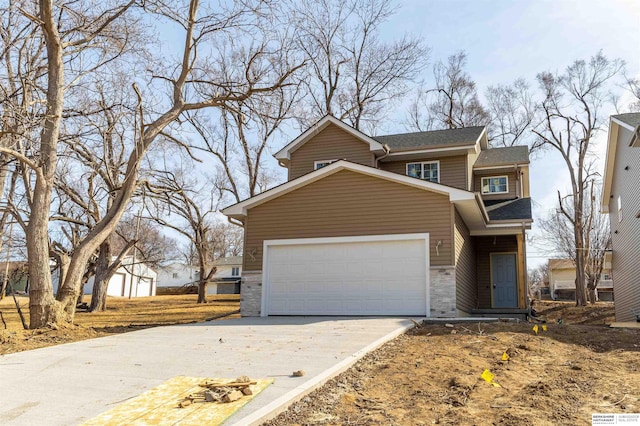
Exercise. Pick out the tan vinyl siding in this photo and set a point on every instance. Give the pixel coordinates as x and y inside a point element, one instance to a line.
<point>484,247</point>
<point>453,170</point>
<point>625,234</point>
<point>466,285</point>
<point>332,143</point>
<point>512,182</point>
<point>347,204</point>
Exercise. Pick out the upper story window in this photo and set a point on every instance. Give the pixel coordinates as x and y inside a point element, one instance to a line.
<point>427,170</point>
<point>322,163</point>
<point>495,185</point>
<point>235,272</point>
<point>174,275</point>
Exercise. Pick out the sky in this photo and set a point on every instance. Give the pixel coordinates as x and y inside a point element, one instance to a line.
<point>505,40</point>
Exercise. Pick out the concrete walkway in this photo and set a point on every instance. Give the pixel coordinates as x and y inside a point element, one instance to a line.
<point>71,383</point>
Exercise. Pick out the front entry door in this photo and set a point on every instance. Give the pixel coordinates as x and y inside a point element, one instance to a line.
<point>504,281</point>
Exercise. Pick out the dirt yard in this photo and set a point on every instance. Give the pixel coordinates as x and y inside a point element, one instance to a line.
<point>431,375</point>
<point>121,316</point>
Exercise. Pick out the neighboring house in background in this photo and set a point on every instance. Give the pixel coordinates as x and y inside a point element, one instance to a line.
<point>18,277</point>
<point>226,280</point>
<point>428,223</point>
<point>177,275</point>
<point>562,281</point>
<point>621,199</point>
<point>129,280</point>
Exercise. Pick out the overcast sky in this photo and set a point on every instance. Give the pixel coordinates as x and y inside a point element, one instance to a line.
<point>505,40</point>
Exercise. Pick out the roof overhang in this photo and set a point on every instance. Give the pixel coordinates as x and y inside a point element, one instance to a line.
<point>284,155</point>
<point>501,167</point>
<point>460,197</point>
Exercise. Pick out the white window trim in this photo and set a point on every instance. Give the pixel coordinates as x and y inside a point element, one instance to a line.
<point>327,162</point>
<point>493,177</point>
<point>406,168</point>
<point>235,269</point>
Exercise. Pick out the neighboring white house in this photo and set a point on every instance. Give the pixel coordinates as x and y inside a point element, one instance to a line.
<point>177,275</point>
<point>226,280</point>
<point>562,277</point>
<point>137,280</point>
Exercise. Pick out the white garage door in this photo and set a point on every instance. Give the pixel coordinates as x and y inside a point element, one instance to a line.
<point>374,275</point>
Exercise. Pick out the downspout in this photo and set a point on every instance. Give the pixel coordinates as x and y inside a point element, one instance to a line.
<point>387,151</point>
<point>519,182</point>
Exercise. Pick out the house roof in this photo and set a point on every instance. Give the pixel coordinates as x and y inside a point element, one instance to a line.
<point>632,118</point>
<point>285,153</point>
<point>561,264</point>
<point>517,209</point>
<point>503,156</point>
<point>466,202</point>
<point>434,138</point>
<point>231,260</point>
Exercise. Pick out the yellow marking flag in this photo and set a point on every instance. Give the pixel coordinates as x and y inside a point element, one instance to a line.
<point>535,328</point>
<point>505,356</point>
<point>544,327</point>
<point>488,377</point>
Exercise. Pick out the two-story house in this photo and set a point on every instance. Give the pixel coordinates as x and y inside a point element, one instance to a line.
<point>621,199</point>
<point>426,224</point>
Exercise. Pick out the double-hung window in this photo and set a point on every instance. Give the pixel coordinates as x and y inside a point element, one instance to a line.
<point>495,185</point>
<point>235,271</point>
<point>427,170</point>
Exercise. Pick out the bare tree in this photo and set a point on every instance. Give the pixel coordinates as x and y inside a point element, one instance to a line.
<point>80,31</point>
<point>512,111</point>
<point>187,206</point>
<point>537,278</point>
<point>570,111</point>
<point>240,138</point>
<point>353,75</point>
<point>452,102</point>
<point>633,87</point>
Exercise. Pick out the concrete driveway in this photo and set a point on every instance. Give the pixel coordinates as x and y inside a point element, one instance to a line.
<point>71,383</point>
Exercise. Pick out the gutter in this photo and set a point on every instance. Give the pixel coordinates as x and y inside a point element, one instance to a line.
<point>235,221</point>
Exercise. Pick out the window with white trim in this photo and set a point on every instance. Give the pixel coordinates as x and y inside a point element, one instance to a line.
<point>495,185</point>
<point>235,272</point>
<point>427,170</point>
<point>322,163</point>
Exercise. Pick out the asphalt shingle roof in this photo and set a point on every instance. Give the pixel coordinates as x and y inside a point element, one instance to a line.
<point>632,118</point>
<point>507,155</point>
<point>519,208</point>
<point>404,141</point>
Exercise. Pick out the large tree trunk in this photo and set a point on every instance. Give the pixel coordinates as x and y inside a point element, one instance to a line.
<point>101,279</point>
<point>42,306</point>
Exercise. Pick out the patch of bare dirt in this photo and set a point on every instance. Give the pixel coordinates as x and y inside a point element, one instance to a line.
<point>121,316</point>
<point>431,375</point>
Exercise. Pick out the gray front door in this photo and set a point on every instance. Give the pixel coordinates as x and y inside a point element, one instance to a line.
<point>504,281</point>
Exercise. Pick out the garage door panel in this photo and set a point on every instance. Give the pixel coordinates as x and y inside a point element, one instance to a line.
<point>385,277</point>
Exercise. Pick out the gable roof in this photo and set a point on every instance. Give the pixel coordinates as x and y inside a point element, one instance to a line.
<point>285,153</point>
<point>518,209</point>
<point>561,264</point>
<point>431,139</point>
<point>503,156</point>
<point>240,209</point>
<point>632,119</point>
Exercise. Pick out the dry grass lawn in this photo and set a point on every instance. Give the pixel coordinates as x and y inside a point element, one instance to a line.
<point>122,315</point>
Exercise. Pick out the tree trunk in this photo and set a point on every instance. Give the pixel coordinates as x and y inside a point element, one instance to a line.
<point>43,308</point>
<point>101,279</point>
<point>202,288</point>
